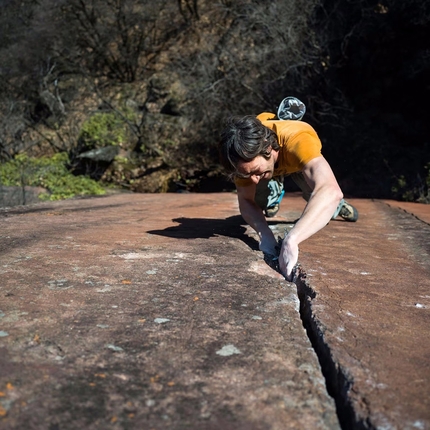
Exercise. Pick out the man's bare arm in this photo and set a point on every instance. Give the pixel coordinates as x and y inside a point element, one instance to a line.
<point>322,204</point>
<point>254,216</point>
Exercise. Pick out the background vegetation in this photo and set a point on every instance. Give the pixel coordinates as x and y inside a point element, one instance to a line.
<point>135,93</point>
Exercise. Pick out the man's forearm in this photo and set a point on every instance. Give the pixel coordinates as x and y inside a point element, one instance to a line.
<point>325,197</point>
<point>316,214</point>
<point>254,216</point>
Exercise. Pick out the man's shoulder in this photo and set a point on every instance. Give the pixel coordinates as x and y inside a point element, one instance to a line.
<point>289,126</point>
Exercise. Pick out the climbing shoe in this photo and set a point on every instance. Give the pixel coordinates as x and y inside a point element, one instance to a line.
<point>348,212</point>
<point>272,211</point>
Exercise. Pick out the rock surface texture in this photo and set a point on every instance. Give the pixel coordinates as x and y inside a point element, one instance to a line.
<point>157,311</point>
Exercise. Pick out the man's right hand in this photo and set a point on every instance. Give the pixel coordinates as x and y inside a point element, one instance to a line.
<point>269,246</point>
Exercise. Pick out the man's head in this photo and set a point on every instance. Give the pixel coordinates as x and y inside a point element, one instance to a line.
<point>242,141</point>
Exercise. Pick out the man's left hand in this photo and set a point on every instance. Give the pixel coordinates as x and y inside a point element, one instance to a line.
<point>288,258</point>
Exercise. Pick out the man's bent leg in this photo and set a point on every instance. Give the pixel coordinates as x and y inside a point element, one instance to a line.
<point>268,195</point>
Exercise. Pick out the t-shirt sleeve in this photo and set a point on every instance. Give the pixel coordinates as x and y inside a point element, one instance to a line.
<point>303,148</point>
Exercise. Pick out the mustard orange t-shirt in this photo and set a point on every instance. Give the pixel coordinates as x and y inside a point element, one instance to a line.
<point>298,141</point>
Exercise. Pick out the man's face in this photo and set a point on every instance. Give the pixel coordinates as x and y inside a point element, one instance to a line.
<point>257,169</point>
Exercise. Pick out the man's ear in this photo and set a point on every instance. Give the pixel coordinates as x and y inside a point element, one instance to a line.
<point>268,152</point>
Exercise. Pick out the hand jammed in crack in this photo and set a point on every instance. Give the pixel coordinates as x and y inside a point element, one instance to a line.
<point>288,258</point>
<point>281,256</point>
<point>268,245</point>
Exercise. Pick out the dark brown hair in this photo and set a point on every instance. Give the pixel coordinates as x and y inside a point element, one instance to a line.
<point>243,139</point>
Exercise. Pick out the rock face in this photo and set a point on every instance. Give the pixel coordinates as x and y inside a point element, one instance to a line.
<point>14,196</point>
<point>158,311</point>
<point>150,311</point>
<point>367,306</point>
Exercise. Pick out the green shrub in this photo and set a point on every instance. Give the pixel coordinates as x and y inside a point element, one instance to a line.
<point>105,129</point>
<point>425,192</point>
<point>50,173</point>
<point>413,191</point>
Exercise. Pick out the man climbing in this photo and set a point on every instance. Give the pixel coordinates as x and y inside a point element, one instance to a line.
<point>258,152</point>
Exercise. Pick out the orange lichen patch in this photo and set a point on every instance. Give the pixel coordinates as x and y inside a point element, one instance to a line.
<point>114,420</point>
<point>141,320</point>
<point>196,298</point>
<point>126,282</point>
<point>2,394</point>
<point>170,383</point>
<point>100,375</point>
<point>92,384</point>
<point>9,386</point>
<point>36,338</point>
<point>3,412</point>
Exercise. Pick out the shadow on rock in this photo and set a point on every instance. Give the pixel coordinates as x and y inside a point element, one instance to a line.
<point>204,228</point>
